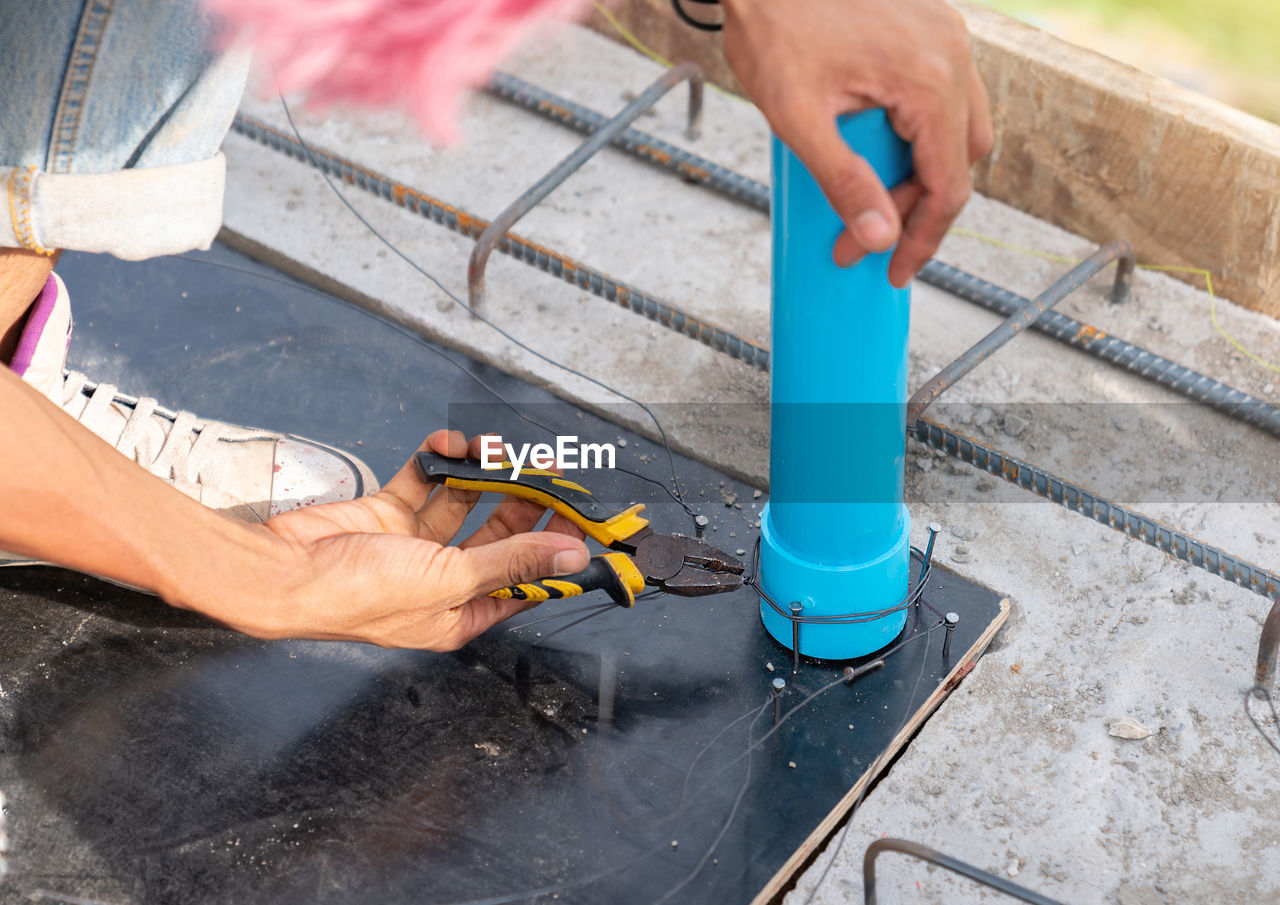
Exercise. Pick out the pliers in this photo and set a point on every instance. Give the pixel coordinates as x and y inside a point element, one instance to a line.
<point>685,566</point>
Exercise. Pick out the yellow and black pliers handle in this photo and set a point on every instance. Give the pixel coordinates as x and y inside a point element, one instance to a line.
<point>685,566</point>
<point>611,527</point>
<point>613,573</point>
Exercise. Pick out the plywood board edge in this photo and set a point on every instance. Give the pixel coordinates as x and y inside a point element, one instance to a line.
<point>823,831</point>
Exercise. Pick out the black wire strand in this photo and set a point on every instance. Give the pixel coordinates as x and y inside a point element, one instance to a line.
<point>566,614</point>
<point>426,344</point>
<point>688,775</point>
<point>600,611</point>
<point>753,744</point>
<point>395,249</point>
<point>871,771</point>
<point>724,827</point>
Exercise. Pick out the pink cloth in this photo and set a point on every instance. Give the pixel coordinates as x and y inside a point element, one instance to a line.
<point>420,54</point>
<point>37,319</point>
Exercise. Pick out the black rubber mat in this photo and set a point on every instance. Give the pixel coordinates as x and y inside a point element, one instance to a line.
<point>151,756</point>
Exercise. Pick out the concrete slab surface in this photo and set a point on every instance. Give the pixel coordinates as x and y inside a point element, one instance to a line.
<point>1017,772</point>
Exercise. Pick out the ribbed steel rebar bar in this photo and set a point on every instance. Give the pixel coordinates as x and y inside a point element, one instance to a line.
<point>1135,359</point>
<point>501,224</point>
<point>1026,316</point>
<point>963,868</point>
<point>684,164</point>
<point>541,257</point>
<point>1100,509</point>
<point>1268,649</point>
<point>1016,471</point>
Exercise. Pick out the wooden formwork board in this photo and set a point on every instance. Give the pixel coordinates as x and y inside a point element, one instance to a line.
<point>1094,146</point>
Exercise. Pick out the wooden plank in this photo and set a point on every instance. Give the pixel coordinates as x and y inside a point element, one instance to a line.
<point>822,833</point>
<point>1096,147</point>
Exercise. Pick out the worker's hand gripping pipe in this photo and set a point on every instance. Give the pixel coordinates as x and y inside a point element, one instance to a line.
<point>834,536</point>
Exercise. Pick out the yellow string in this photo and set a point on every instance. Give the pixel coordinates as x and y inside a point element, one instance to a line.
<point>1164,268</point>
<point>630,37</point>
<point>1009,246</point>
<point>627,35</point>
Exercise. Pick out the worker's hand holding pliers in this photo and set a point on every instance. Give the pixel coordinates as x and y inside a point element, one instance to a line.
<point>639,556</point>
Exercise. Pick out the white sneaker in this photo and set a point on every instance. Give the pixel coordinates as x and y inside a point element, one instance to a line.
<point>243,472</point>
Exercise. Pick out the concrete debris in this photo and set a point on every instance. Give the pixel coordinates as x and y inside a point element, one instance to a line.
<point>924,464</point>
<point>1138,895</point>
<point>1014,426</point>
<point>1128,728</point>
<point>755,494</point>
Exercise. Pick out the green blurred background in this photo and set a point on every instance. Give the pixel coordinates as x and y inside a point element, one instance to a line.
<point>1227,49</point>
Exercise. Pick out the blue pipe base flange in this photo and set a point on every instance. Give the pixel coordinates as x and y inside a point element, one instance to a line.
<point>835,590</point>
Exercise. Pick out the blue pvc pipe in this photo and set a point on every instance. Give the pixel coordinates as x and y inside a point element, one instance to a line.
<point>834,535</point>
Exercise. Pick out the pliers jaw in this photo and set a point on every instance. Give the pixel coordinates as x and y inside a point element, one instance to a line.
<point>684,566</point>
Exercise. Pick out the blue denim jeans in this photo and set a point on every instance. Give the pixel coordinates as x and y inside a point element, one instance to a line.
<point>112,116</point>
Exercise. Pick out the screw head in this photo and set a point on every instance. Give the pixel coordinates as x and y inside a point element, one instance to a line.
<point>796,607</point>
<point>951,619</point>
<point>934,528</point>
<point>779,684</point>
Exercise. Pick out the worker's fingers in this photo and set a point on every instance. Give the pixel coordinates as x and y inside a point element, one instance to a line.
<point>510,517</point>
<point>981,132</point>
<point>406,486</point>
<point>561,525</point>
<point>941,160</point>
<point>906,195</point>
<point>476,571</point>
<point>476,617</point>
<point>475,450</point>
<point>851,186</point>
<point>442,515</point>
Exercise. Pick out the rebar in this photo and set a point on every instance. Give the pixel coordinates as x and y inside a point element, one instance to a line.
<point>1134,359</point>
<point>1100,509</point>
<point>685,164</point>
<point>1119,252</point>
<point>955,865</point>
<point>539,256</point>
<point>1089,339</point>
<point>1025,475</point>
<point>578,158</point>
<point>1268,649</point>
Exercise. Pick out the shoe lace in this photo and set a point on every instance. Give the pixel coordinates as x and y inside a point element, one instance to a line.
<point>175,446</point>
